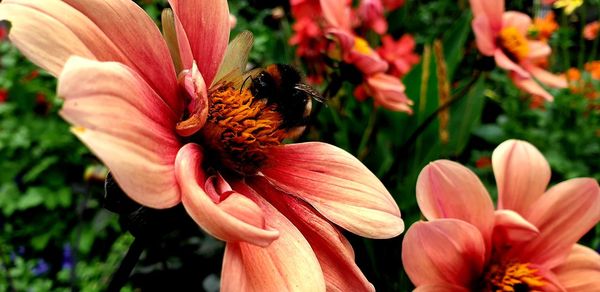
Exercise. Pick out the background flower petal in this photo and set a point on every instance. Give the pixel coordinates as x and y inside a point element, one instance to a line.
<point>338,185</point>
<point>446,189</point>
<point>126,124</point>
<point>522,174</point>
<point>563,215</point>
<point>444,251</point>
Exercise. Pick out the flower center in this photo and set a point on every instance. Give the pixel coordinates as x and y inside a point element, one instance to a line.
<point>240,128</point>
<point>514,43</point>
<point>513,277</point>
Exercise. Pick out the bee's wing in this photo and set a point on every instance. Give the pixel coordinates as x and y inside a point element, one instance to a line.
<point>235,59</point>
<point>310,91</point>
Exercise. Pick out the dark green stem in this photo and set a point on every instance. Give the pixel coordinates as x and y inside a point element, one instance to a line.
<point>121,276</point>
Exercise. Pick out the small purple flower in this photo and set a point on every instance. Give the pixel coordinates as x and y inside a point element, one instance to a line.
<point>68,260</point>
<point>41,268</point>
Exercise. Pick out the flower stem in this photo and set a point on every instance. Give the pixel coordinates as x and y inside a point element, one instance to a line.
<point>362,148</point>
<point>121,276</point>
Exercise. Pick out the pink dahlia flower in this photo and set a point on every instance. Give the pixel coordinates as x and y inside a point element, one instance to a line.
<point>503,35</point>
<point>529,243</point>
<point>371,14</point>
<point>172,123</point>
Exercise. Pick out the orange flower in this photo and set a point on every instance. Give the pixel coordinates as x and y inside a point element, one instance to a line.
<point>594,68</point>
<point>590,31</point>
<point>543,28</point>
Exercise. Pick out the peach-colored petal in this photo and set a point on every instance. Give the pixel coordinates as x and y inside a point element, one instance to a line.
<point>287,264</point>
<point>548,78</point>
<point>206,25</point>
<point>510,227</point>
<point>530,86</point>
<point>522,174</point>
<point>49,32</point>
<point>337,13</point>
<point>581,271</point>
<point>521,21</point>
<point>126,124</point>
<point>223,213</point>
<point>563,214</point>
<point>333,251</point>
<point>444,251</point>
<point>538,49</point>
<point>338,185</point>
<point>484,36</point>
<point>507,64</point>
<point>388,91</point>
<point>440,288</point>
<point>446,189</point>
<point>492,9</point>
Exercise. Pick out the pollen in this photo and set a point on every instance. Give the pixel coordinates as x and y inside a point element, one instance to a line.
<point>240,128</point>
<point>362,46</point>
<point>514,277</point>
<point>514,43</point>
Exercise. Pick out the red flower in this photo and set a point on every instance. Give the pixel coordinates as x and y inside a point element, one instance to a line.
<point>399,54</point>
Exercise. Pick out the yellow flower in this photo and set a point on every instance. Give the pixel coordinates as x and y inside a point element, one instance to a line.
<point>568,5</point>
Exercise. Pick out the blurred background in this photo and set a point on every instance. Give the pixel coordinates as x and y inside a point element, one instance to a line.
<point>56,235</point>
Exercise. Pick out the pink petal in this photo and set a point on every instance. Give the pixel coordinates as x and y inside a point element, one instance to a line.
<point>388,91</point>
<point>333,251</point>
<point>49,32</point>
<point>484,36</point>
<point>444,251</point>
<point>233,218</point>
<point>206,25</point>
<point>563,214</point>
<point>530,86</point>
<point>510,227</point>
<point>126,124</point>
<point>337,13</point>
<point>548,78</point>
<point>507,64</point>
<point>287,264</point>
<point>521,21</point>
<point>338,185</point>
<point>440,288</point>
<point>492,9</point>
<point>581,270</point>
<point>522,174</point>
<point>446,189</point>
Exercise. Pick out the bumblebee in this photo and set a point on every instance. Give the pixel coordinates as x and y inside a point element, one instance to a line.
<point>282,86</point>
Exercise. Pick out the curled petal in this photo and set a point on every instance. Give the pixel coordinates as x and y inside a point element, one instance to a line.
<point>507,64</point>
<point>581,270</point>
<point>196,92</point>
<point>510,227</point>
<point>338,185</point>
<point>333,251</point>
<point>206,25</point>
<point>446,189</point>
<point>563,215</point>
<point>522,174</point>
<point>126,124</point>
<point>287,264</point>
<point>229,217</point>
<point>49,32</point>
<point>444,251</point>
